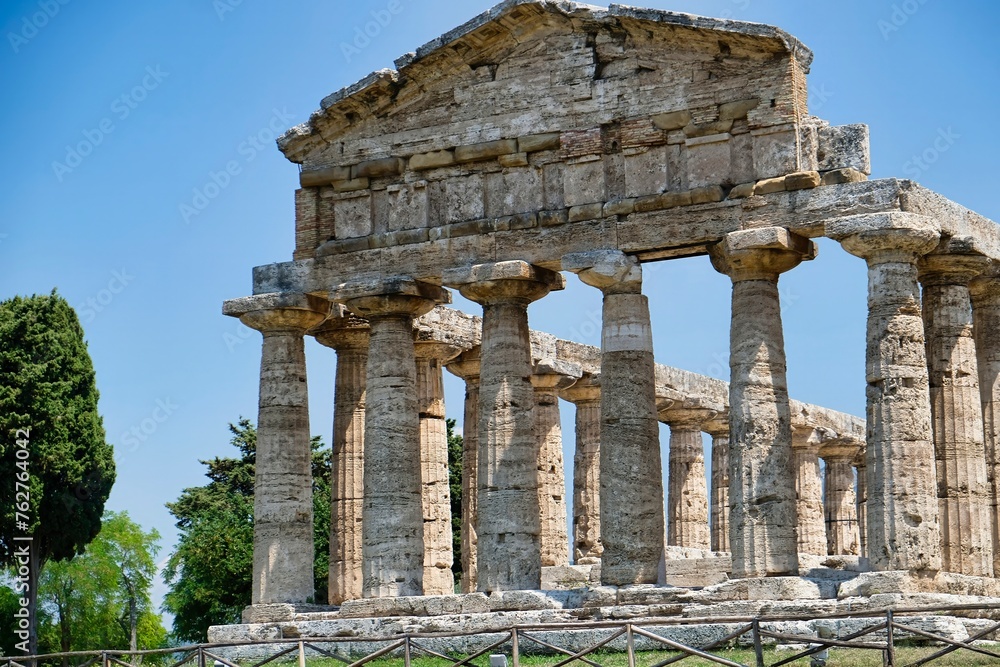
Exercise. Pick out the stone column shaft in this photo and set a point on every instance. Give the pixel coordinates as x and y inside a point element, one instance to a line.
<point>687,487</point>
<point>986,315</point>
<point>392,516</point>
<point>283,506</point>
<point>964,496</point>
<point>841,507</point>
<point>509,556</point>
<point>347,479</point>
<point>761,483</point>
<point>720,486</point>
<point>809,495</point>
<point>467,367</point>
<point>549,377</point>
<point>632,525</point>
<point>586,395</point>
<point>901,517</point>
<point>438,556</point>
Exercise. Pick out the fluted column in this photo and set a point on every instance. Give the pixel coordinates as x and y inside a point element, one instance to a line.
<point>467,367</point>
<point>861,474</point>
<point>283,507</point>
<point>902,514</point>
<point>841,502</point>
<point>392,516</point>
<point>808,492</point>
<point>964,497</point>
<point>509,555</point>
<point>549,377</point>
<point>350,340</point>
<point>687,487</point>
<point>586,395</point>
<point>438,556</point>
<point>631,469</point>
<point>761,483</point>
<point>719,430</point>
<point>986,318</point>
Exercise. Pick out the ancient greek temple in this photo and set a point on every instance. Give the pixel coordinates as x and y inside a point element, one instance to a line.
<point>545,139</point>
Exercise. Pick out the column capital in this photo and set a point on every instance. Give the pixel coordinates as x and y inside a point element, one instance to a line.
<point>843,448</point>
<point>760,254</point>
<point>553,375</point>
<point>885,238</point>
<point>511,281</point>
<point>719,427</point>
<point>585,390</point>
<point>689,413</point>
<point>811,437</point>
<point>985,289</point>
<point>342,331</point>
<point>374,296</point>
<point>611,271</point>
<point>946,267</point>
<point>436,350</point>
<point>279,312</point>
<point>466,365</point>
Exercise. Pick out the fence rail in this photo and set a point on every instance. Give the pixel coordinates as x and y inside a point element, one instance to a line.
<point>515,638</point>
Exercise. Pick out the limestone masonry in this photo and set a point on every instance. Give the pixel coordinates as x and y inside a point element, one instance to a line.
<point>546,138</point>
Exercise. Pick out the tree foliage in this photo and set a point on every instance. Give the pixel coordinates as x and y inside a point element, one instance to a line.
<point>210,570</point>
<point>101,599</point>
<point>455,444</point>
<point>47,385</point>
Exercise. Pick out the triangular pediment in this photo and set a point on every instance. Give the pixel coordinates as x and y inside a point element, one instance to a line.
<point>538,66</point>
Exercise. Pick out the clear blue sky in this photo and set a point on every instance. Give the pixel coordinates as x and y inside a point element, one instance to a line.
<point>161,95</point>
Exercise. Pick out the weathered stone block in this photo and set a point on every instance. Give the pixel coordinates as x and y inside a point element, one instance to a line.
<point>352,216</point>
<point>539,142</point>
<point>734,110</point>
<point>432,160</point>
<point>693,130</point>
<point>769,186</point>
<point>803,180</point>
<point>583,183</point>
<point>841,176</point>
<point>314,177</point>
<point>845,146</point>
<point>741,169</point>
<point>742,191</point>
<point>351,186</point>
<point>707,195</point>
<point>407,206</point>
<point>675,120</point>
<point>709,160</point>
<point>646,172</point>
<point>390,166</point>
<point>553,218</point>
<point>513,191</point>
<point>486,150</point>
<point>586,212</point>
<point>775,151</point>
<point>619,207</point>
<point>514,160</point>
<point>464,198</point>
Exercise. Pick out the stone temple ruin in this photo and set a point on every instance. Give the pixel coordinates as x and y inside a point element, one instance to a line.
<point>548,137</point>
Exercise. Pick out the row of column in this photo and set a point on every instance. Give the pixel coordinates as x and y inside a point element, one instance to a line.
<point>929,491</point>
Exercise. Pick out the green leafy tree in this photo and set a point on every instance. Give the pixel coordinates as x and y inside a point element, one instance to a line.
<point>210,571</point>
<point>455,444</point>
<point>101,599</point>
<point>48,408</point>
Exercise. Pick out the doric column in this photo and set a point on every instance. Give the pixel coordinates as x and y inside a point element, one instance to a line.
<point>902,513</point>
<point>349,337</point>
<point>861,474</point>
<point>549,377</point>
<point>631,470</point>
<point>438,556</point>
<point>808,492</point>
<point>964,497</point>
<point>508,540</point>
<point>283,506</point>
<point>761,481</point>
<point>687,487</point>
<point>586,395</point>
<point>467,367</point>
<point>841,502</point>
<point>719,430</point>
<point>986,316</point>
<point>392,517</point>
